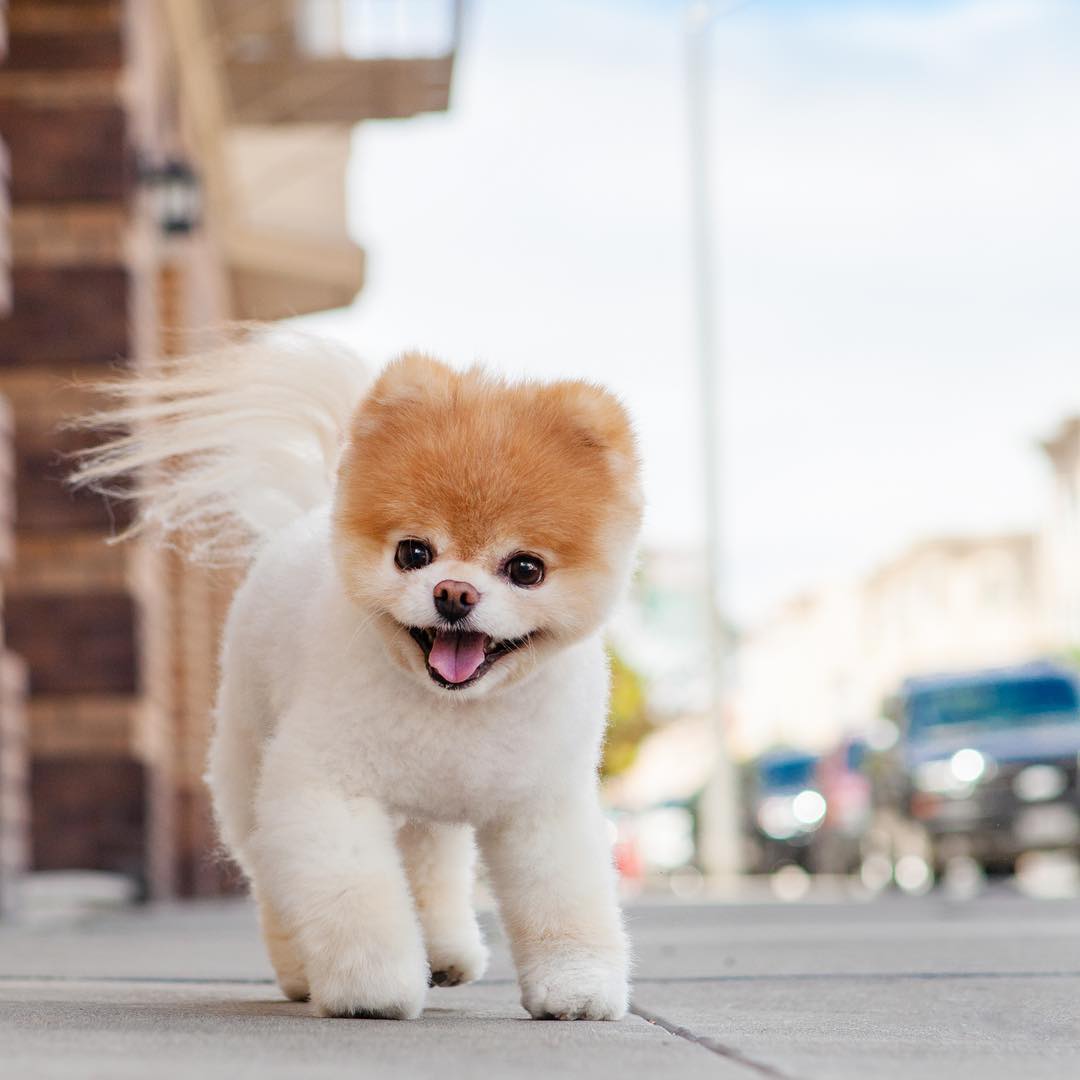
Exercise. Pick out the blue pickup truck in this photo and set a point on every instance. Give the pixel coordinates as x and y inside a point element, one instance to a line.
<point>985,763</point>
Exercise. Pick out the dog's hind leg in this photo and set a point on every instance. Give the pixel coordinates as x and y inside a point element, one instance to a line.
<point>241,716</point>
<point>284,954</point>
<point>441,864</point>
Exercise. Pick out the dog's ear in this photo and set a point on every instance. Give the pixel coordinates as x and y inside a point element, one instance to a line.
<point>601,426</point>
<point>412,377</point>
<point>599,417</point>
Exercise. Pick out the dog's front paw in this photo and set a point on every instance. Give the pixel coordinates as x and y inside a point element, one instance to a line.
<point>364,984</point>
<point>458,961</point>
<point>575,988</point>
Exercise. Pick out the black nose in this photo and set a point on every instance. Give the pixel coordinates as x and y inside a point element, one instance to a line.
<point>455,599</point>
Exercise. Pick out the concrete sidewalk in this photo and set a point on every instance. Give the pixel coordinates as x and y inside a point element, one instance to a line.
<point>895,988</point>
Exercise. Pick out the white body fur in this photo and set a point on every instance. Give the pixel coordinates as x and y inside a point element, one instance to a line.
<point>349,792</point>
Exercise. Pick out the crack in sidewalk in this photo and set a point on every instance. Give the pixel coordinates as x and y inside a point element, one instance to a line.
<point>714,1046</point>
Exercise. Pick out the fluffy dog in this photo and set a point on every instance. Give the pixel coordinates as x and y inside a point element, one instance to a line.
<point>413,665</point>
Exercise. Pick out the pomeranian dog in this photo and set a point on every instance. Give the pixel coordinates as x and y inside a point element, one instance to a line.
<point>413,666</point>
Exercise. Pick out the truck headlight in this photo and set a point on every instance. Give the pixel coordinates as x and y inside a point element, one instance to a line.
<point>967,766</point>
<point>1040,783</point>
<point>809,808</point>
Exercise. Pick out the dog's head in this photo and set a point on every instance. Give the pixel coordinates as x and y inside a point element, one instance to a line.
<point>484,525</point>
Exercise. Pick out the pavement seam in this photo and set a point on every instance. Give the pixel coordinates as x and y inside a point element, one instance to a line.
<point>155,980</point>
<point>737,1057</point>
<point>655,980</point>
<point>855,976</point>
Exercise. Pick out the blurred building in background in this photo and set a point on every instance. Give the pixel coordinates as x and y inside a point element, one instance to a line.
<point>172,165</point>
<point>661,634</point>
<point>951,604</point>
<point>1062,535</point>
<point>796,668</point>
<point>821,669</point>
<point>661,631</point>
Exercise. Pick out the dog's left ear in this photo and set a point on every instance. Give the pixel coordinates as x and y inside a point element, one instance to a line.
<point>411,380</point>
<point>412,377</point>
<point>600,419</point>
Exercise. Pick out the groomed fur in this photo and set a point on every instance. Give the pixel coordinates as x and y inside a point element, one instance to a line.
<point>229,446</point>
<point>355,766</point>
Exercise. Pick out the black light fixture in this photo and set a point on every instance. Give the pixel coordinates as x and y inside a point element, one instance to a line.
<point>177,195</point>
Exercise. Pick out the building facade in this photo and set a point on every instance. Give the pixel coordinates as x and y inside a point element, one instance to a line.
<point>174,165</point>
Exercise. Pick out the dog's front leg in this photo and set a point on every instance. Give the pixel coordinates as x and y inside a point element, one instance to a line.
<point>329,865</point>
<point>551,868</point>
<point>440,861</point>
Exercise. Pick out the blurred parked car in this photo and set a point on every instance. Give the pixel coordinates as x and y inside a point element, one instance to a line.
<point>984,766</point>
<point>784,809</point>
<point>836,845</point>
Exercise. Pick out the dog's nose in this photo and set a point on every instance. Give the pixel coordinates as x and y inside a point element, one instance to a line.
<point>455,599</point>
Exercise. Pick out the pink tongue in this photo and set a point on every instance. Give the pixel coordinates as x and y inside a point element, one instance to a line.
<point>456,655</point>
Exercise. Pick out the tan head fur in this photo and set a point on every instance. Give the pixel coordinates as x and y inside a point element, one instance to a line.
<point>480,470</point>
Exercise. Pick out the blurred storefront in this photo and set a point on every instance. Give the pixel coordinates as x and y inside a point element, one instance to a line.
<point>172,166</point>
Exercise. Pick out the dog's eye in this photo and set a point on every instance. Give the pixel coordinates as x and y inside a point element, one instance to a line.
<point>413,554</point>
<point>525,570</point>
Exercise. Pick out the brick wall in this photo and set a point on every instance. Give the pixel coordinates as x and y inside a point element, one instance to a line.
<point>5,203</point>
<point>14,736</point>
<point>120,642</point>
<point>5,230</point>
<point>14,753</point>
<point>89,619</point>
<point>14,779</point>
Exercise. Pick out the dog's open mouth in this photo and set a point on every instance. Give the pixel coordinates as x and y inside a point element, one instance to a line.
<point>459,658</point>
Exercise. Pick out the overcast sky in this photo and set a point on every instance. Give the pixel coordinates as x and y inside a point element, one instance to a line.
<point>898,218</point>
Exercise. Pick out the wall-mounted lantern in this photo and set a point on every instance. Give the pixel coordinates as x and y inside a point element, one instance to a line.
<point>177,196</point>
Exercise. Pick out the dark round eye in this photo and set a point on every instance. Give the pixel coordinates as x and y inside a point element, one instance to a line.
<point>525,570</point>
<point>413,554</point>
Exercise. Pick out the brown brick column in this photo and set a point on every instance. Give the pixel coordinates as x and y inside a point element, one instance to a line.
<point>5,232</point>
<point>89,619</point>
<point>199,601</point>
<point>5,203</point>
<point>14,779</point>
<point>14,739</point>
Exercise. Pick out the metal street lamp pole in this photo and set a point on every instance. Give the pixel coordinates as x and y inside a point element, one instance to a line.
<point>720,846</point>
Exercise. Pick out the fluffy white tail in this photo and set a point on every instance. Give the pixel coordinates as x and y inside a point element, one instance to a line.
<point>230,446</point>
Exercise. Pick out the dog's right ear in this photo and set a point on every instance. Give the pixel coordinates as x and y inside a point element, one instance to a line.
<point>412,377</point>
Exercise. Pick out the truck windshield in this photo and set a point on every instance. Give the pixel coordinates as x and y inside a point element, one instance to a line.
<point>989,704</point>
<point>789,771</point>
